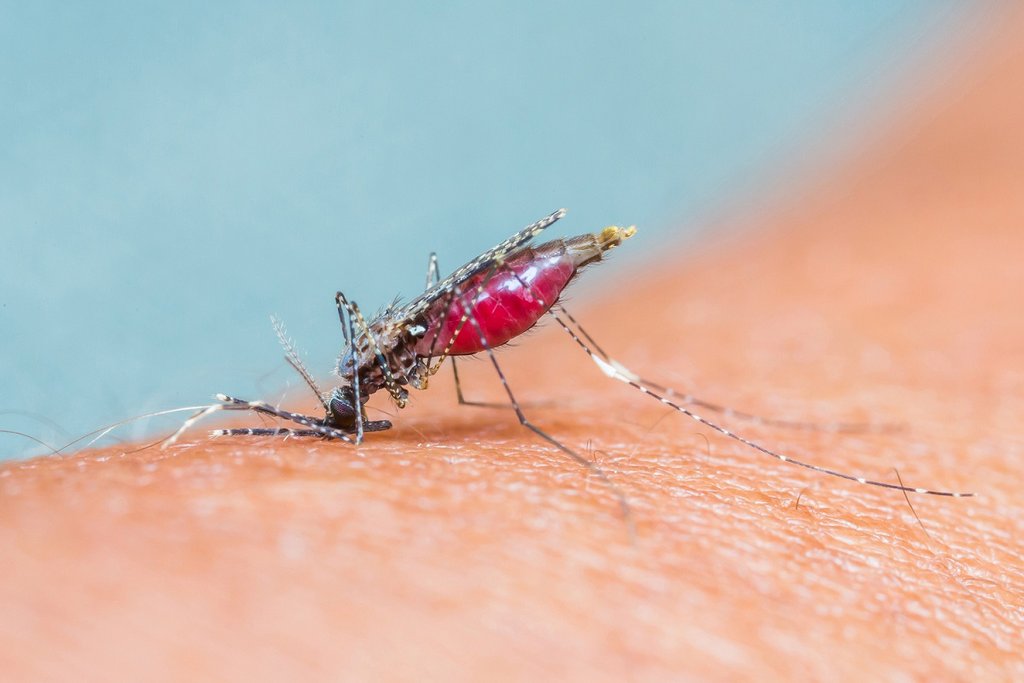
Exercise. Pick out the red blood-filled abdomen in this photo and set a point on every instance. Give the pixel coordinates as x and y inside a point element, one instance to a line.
<point>511,302</point>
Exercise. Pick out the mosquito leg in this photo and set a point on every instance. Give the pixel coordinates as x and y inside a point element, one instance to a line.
<point>688,399</point>
<point>187,424</point>
<point>725,411</point>
<point>432,271</point>
<point>592,467</point>
<point>345,316</point>
<point>229,403</point>
<point>474,404</point>
<point>454,294</point>
<point>624,376</point>
<point>279,431</point>
<point>311,423</point>
<point>433,277</point>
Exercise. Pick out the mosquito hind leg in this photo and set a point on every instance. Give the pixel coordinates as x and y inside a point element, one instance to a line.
<point>623,375</point>
<point>727,412</point>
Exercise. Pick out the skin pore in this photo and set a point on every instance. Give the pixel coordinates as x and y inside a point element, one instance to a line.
<point>460,546</point>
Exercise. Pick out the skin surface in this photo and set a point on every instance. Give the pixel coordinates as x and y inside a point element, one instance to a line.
<point>460,546</point>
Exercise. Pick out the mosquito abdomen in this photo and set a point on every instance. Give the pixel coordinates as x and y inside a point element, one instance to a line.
<point>510,296</point>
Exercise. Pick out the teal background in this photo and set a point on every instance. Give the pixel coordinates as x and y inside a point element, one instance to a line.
<point>171,174</point>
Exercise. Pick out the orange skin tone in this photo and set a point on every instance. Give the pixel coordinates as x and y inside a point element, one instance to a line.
<point>460,546</point>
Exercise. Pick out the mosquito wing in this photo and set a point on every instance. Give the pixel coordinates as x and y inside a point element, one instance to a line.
<point>481,262</point>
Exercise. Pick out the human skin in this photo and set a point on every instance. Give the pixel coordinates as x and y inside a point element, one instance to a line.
<point>460,546</point>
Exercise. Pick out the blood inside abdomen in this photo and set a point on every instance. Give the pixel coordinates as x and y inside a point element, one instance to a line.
<point>512,300</point>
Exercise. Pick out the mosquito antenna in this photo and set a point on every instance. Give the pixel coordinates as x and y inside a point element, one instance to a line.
<point>433,277</point>
<point>431,369</point>
<point>29,436</point>
<point>726,411</point>
<point>293,358</point>
<point>625,376</point>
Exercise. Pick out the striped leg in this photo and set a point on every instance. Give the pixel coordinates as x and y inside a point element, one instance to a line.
<point>617,372</point>
<point>279,431</point>
<point>314,426</point>
<point>725,411</point>
<point>345,316</point>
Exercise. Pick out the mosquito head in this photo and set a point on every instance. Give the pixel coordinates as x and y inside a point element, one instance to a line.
<point>342,408</point>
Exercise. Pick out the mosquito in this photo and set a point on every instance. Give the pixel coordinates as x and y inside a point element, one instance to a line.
<point>481,306</point>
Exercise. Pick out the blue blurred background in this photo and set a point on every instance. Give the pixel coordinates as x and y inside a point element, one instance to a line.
<point>173,173</point>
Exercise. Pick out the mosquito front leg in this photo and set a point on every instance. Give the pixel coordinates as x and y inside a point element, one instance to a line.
<point>345,315</point>
<point>311,424</point>
<point>256,431</point>
<point>473,404</point>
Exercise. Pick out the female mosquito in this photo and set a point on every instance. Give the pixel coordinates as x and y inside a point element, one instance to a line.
<point>494,298</point>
